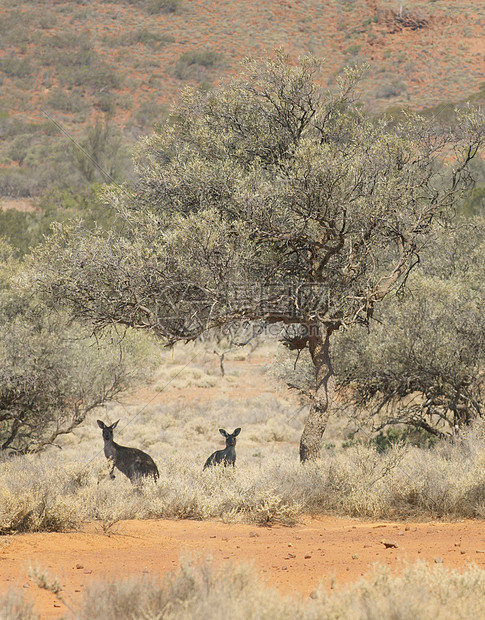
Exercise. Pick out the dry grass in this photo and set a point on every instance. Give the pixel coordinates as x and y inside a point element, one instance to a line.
<point>61,489</point>
<point>202,591</point>
<point>14,606</point>
<point>43,493</point>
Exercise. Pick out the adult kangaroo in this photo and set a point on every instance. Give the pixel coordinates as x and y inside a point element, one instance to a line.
<point>132,462</point>
<point>228,455</point>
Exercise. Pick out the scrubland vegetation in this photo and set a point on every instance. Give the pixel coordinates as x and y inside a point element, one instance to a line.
<point>60,489</point>
<point>202,590</point>
<point>322,209</point>
<point>265,181</point>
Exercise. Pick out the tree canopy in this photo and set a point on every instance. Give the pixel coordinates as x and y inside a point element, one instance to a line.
<point>423,362</point>
<point>268,200</point>
<point>52,371</point>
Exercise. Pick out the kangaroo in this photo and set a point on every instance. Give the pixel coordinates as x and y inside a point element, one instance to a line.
<point>132,462</point>
<point>228,455</point>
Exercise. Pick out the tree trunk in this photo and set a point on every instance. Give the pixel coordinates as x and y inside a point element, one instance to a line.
<point>311,439</point>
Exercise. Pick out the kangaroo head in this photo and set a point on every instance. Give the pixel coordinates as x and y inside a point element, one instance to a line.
<point>230,439</point>
<point>107,430</point>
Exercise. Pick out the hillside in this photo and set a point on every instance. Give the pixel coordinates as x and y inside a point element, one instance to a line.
<point>78,62</point>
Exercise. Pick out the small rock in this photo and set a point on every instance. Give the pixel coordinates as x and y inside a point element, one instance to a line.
<point>480,550</point>
<point>56,605</point>
<point>88,571</point>
<point>284,568</point>
<point>390,545</point>
<point>407,528</point>
<point>291,555</point>
<point>367,546</point>
<point>253,534</point>
<point>26,585</point>
<point>79,566</point>
<point>438,560</point>
<point>308,557</point>
<point>400,533</point>
<point>212,536</point>
<point>225,539</point>
<point>314,594</point>
<point>290,545</point>
<point>355,556</point>
<point>462,551</point>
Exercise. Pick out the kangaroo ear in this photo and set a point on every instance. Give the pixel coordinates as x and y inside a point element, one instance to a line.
<point>236,432</point>
<point>115,424</point>
<point>223,432</point>
<point>100,424</point>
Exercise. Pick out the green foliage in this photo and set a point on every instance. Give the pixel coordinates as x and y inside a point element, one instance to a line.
<point>52,373</point>
<point>66,101</point>
<point>163,6</point>
<point>268,201</point>
<point>389,437</point>
<point>422,364</point>
<point>20,229</point>
<point>100,154</point>
<point>393,87</point>
<point>195,64</point>
<point>352,50</point>
<point>474,204</point>
<point>76,61</point>
<point>25,230</point>
<point>15,67</point>
<point>151,38</point>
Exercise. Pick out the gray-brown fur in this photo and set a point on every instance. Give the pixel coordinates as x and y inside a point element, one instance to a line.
<point>228,455</point>
<point>132,462</point>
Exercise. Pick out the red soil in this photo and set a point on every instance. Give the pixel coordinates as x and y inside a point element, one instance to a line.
<point>294,560</point>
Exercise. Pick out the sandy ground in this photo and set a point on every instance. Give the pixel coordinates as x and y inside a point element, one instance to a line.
<point>294,560</point>
<point>19,204</point>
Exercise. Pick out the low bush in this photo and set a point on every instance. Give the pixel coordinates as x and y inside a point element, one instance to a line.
<point>204,591</point>
<point>59,491</point>
<point>195,64</point>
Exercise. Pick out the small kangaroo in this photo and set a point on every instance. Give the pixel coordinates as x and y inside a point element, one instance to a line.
<point>228,455</point>
<point>132,462</point>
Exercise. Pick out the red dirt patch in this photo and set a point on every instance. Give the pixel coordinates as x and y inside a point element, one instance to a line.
<point>19,204</point>
<point>294,560</point>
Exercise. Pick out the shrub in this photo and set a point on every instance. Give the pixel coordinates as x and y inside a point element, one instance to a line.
<point>204,591</point>
<point>193,65</point>
<point>51,372</point>
<point>163,6</point>
<point>13,606</point>
<point>14,66</point>
<point>70,102</point>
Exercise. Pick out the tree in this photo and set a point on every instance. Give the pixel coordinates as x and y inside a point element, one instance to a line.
<point>268,200</point>
<point>52,372</point>
<point>100,153</point>
<point>423,364</point>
